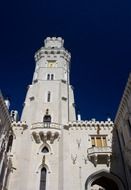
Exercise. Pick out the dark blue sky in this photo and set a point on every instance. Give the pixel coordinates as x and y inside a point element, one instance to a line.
<point>98,35</point>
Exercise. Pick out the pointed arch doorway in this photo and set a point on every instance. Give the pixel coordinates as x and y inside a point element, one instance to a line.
<point>103,180</point>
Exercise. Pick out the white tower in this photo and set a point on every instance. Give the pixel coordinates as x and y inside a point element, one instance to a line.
<point>49,105</point>
<point>50,92</point>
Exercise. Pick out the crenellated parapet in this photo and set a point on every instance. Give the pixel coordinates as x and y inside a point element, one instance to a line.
<point>54,42</point>
<point>19,125</point>
<point>53,48</point>
<point>99,139</point>
<point>91,124</point>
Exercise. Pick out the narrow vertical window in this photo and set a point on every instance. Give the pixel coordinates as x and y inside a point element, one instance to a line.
<point>48,77</point>
<point>52,77</point>
<point>93,141</point>
<point>43,179</point>
<point>48,96</point>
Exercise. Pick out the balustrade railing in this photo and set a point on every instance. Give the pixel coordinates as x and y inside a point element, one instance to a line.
<point>45,125</point>
<point>105,149</point>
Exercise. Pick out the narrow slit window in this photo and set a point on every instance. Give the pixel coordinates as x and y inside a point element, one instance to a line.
<point>48,97</point>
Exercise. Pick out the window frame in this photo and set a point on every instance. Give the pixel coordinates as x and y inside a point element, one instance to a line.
<point>48,76</point>
<point>101,143</point>
<point>49,96</point>
<point>43,178</point>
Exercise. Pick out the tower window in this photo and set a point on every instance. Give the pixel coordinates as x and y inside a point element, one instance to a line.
<point>48,77</point>
<point>48,97</point>
<point>43,179</point>
<point>47,119</point>
<point>52,77</point>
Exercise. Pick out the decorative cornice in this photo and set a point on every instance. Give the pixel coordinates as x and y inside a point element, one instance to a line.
<point>53,47</point>
<point>43,52</point>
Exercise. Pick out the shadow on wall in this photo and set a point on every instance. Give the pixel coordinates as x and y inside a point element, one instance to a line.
<point>103,180</point>
<point>117,167</point>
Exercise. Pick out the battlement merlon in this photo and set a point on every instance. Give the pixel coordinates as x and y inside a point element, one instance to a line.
<point>19,124</point>
<point>53,46</point>
<point>54,42</point>
<point>91,123</point>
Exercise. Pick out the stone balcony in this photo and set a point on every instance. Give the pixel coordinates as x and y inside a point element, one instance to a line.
<point>42,132</point>
<point>100,155</point>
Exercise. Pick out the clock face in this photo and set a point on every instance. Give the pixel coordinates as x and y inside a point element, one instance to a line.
<point>51,63</point>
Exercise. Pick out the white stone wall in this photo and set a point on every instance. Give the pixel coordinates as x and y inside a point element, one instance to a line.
<point>76,141</point>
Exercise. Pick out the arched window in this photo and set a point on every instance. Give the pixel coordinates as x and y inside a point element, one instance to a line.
<point>48,77</point>
<point>48,96</point>
<point>43,179</point>
<point>45,149</point>
<point>47,119</point>
<point>52,77</point>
